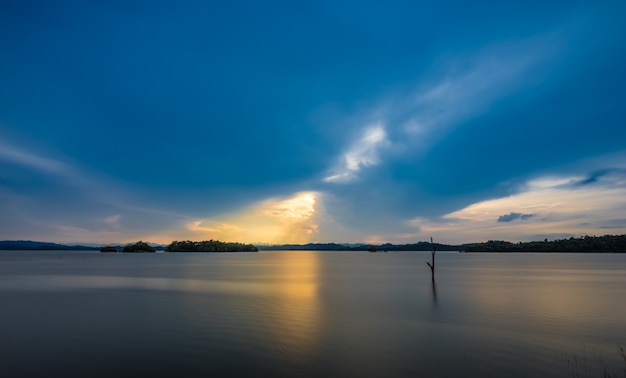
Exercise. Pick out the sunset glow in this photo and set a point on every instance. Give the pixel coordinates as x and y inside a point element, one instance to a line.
<point>288,220</point>
<point>318,122</point>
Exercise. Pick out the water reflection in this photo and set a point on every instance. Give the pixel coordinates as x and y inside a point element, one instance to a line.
<point>78,282</point>
<point>293,317</point>
<point>309,314</point>
<point>536,303</point>
<point>270,302</point>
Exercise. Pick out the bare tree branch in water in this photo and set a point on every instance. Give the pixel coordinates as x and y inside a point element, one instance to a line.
<point>432,266</point>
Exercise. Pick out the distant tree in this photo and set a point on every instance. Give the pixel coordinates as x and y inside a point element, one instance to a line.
<point>606,243</point>
<point>138,247</point>
<point>108,249</point>
<point>209,246</point>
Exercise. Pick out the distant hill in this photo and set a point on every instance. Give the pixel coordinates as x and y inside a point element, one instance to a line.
<point>606,243</point>
<point>305,247</point>
<point>23,245</point>
<point>419,246</point>
<point>26,245</point>
<point>119,247</point>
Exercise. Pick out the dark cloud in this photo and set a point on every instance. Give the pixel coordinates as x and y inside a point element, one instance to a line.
<point>595,177</point>
<point>197,132</point>
<point>513,216</point>
<point>614,224</point>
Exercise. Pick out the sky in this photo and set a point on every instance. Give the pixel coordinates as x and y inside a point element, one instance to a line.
<point>325,121</point>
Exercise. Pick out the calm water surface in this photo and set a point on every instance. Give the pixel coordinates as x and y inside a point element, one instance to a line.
<point>340,314</point>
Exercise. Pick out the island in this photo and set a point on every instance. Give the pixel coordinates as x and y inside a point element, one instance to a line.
<point>139,247</point>
<point>209,246</point>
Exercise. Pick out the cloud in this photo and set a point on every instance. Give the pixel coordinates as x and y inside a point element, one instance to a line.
<point>47,198</point>
<point>614,224</point>
<point>610,176</point>
<point>199,226</point>
<point>547,206</point>
<point>19,156</point>
<point>470,84</point>
<point>458,89</point>
<point>113,220</point>
<point>62,176</point>
<point>275,220</point>
<point>361,154</point>
<point>513,216</point>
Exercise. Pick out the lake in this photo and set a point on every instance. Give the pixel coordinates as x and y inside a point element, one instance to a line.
<point>311,314</point>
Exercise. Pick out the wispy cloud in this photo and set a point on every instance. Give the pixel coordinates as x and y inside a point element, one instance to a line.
<point>365,152</point>
<point>470,85</point>
<point>57,170</point>
<point>69,203</point>
<point>113,220</point>
<point>44,164</point>
<point>216,229</point>
<point>463,87</point>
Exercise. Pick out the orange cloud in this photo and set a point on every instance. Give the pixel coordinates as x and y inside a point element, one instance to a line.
<point>276,220</point>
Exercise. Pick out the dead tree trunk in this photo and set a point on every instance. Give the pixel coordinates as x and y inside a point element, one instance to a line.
<point>432,266</point>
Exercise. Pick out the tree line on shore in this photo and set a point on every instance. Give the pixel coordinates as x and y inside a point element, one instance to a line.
<point>186,246</point>
<point>606,243</point>
<point>209,246</point>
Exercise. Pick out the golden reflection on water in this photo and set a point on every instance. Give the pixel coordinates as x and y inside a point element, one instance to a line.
<point>552,302</point>
<point>277,302</point>
<point>294,318</point>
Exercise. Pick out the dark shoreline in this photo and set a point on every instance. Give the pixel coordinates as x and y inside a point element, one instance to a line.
<point>585,244</point>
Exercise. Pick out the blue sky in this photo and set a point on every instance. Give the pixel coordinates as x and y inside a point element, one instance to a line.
<point>290,122</point>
